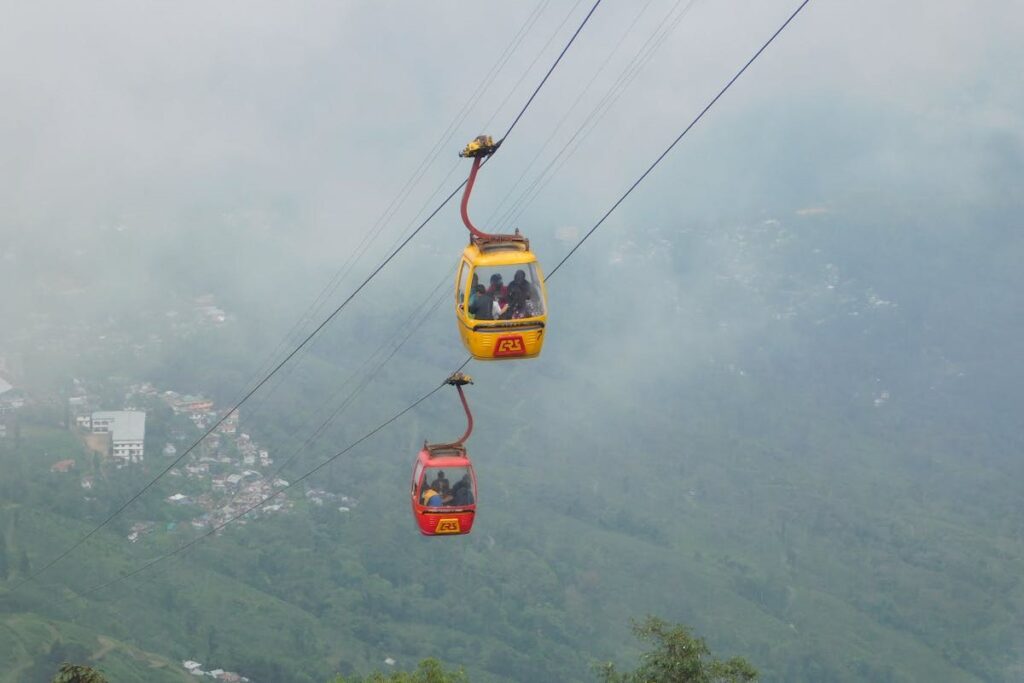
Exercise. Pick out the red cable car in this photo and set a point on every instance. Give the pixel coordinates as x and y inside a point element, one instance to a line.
<point>443,493</point>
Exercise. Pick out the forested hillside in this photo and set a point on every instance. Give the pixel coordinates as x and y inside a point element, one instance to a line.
<point>793,490</point>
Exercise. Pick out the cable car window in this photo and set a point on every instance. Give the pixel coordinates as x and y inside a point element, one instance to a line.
<point>416,476</point>
<point>507,292</point>
<point>453,486</point>
<point>464,270</point>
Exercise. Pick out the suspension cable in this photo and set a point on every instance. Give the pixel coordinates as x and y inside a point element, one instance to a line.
<point>466,362</point>
<point>676,141</point>
<point>308,337</point>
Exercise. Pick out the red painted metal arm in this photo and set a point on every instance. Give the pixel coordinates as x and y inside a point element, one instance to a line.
<point>465,203</point>
<point>469,417</point>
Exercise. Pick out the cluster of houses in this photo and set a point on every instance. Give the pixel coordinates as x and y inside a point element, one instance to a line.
<point>229,485</point>
<point>200,410</point>
<point>226,478</point>
<point>225,475</point>
<point>196,669</point>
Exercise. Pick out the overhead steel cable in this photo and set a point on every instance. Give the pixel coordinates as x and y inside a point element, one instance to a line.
<point>445,137</point>
<point>676,141</point>
<point>326,422</point>
<point>237,405</point>
<point>569,255</point>
<point>424,312</point>
<point>192,543</point>
<point>639,61</point>
<point>508,193</point>
<point>526,72</point>
<point>312,334</point>
<point>551,70</point>
<point>404,192</point>
<point>371,236</point>
<point>481,88</point>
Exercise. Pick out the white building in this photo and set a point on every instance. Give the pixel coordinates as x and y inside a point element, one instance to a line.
<point>127,429</point>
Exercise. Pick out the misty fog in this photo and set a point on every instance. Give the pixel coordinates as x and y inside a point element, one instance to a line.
<point>780,395</point>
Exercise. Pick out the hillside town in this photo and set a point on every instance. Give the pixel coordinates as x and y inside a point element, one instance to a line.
<point>227,475</point>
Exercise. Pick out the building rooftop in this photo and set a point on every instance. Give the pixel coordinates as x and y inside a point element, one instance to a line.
<point>5,386</point>
<point>128,425</point>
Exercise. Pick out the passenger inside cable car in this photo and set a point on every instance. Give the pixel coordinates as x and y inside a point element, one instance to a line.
<point>511,294</point>
<point>441,485</point>
<point>446,495</point>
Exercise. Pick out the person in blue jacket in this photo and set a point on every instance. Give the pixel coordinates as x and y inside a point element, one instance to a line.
<point>432,498</point>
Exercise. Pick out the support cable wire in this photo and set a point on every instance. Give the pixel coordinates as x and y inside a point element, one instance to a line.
<point>526,72</point>
<point>304,447</point>
<point>425,313</point>
<point>468,358</point>
<point>550,71</point>
<point>371,236</point>
<point>618,88</point>
<point>622,39</point>
<point>264,398</point>
<point>237,405</point>
<point>446,137</point>
<point>312,334</point>
<point>676,141</point>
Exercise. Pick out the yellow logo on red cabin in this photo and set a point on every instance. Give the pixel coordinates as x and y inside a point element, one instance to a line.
<point>510,345</point>
<point>448,525</point>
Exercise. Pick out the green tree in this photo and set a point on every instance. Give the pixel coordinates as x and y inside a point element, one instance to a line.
<point>429,671</point>
<point>75,673</point>
<point>677,657</point>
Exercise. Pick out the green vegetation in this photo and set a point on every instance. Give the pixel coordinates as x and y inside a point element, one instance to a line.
<point>428,671</point>
<point>76,673</point>
<point>32,648</point>
<point>759,487</point>
<point>677,657</point>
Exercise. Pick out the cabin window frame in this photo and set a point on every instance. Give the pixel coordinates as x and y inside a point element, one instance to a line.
<point>417,478</point>
<point>462,285</point>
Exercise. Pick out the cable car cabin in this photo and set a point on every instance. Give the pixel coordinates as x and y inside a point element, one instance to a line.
<point>500,299</point>
<point>443,491</point>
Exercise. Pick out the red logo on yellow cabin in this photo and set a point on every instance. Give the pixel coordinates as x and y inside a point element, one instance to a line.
<point>448,526</point>
<point>512,345</point>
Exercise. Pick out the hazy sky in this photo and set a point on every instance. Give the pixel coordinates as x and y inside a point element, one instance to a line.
<point>295,125</point>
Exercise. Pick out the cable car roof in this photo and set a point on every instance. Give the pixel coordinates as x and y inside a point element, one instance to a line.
<point>445,455</point>
<point>494,255</point>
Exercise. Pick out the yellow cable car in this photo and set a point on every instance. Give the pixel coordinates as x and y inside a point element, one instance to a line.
<point>500,299</point>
